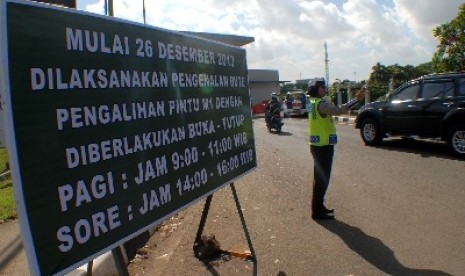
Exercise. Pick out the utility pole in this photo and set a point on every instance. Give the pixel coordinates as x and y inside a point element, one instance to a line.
<point>110,8</point>
<point>327,65</point>
<point>143,10</point>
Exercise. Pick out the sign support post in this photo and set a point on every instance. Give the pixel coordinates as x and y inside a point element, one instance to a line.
<point>119,261</point>
<point>203,219</point>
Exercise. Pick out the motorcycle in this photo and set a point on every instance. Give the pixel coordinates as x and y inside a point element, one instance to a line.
<point>274,120</point>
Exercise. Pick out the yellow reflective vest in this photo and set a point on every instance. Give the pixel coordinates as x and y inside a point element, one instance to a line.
<point>321,129</point>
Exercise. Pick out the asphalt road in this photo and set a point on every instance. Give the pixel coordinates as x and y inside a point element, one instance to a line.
<point>400,210</point>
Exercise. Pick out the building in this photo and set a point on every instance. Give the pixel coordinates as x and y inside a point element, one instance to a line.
<point>305,81</point>
<point>262,83</point>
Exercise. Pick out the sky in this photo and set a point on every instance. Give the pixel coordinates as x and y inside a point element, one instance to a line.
<point>290,34</point>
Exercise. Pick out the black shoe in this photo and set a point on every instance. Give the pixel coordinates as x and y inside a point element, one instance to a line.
<point>327,211</point>
<point>323,216</point>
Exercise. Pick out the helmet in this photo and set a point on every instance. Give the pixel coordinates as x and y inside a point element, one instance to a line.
<point>274,96</point>
<point>315,82</point>
<point>313,86</point>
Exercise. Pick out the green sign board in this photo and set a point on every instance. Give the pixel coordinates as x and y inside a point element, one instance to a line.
<point>114,126</point>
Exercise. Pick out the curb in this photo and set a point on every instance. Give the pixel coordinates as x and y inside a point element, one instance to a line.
<point>5,175</point>
<point>104,265</point>
<point>344,119</point>
<point>338,119</point>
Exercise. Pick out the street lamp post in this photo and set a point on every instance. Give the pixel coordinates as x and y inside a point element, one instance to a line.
<point>349,88</point>
<point>348,96</point>
<point>367,93</point>
<point>339,96</point>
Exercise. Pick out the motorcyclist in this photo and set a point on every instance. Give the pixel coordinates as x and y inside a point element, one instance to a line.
<point>272,108</point>
<point>273,105</point>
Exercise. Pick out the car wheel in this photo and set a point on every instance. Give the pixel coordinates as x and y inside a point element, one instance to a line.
<point>457,140</point>
<point>371,132</point>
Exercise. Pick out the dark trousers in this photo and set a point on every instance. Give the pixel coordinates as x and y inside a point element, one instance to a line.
<point>323,161</point>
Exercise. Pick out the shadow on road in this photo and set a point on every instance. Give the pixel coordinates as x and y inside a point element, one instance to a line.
<point>424,148</point>
<point>374,250</point>
<point>10,252</point>
<point>282,133</point>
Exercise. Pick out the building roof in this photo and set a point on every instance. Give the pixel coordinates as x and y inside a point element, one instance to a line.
<point>234,40</point>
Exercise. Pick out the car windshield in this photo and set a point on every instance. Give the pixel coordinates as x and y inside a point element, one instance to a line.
<point>295,96</point>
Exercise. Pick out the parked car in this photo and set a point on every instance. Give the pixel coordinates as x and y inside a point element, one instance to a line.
<point>295,103</point>
<point>432,106</point>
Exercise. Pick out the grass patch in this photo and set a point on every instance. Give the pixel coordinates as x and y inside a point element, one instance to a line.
<point>4,160</point>
<point>7,201</point>
<point>7,197</point>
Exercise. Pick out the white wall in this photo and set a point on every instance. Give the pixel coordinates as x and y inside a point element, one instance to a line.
<point>261,91</point>
<point>262,83</point>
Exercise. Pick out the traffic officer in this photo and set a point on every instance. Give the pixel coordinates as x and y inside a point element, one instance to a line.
<point>323,137</point>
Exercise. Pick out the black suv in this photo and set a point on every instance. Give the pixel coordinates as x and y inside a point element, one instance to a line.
<point>432,106</point>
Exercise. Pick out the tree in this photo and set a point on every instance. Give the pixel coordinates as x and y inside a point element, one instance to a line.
<point>381,77</point>
<point>425,68</point>
<point>451,48</point>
